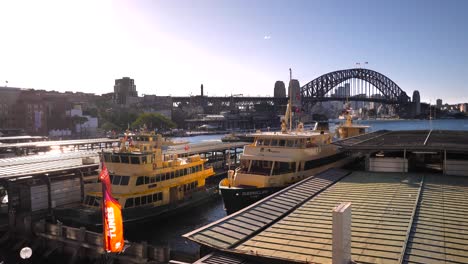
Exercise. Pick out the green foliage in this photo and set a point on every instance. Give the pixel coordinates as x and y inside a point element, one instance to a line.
<point>93,112</point>
<point>152,121</point>
<point>78,120</point>
<point>108,126</point>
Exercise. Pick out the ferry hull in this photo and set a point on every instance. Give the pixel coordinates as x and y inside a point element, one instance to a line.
<point>92,217</point>
<point>237,198</point>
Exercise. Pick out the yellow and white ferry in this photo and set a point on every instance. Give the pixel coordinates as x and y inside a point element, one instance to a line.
<point>146,182</point>
<point>277,159</point>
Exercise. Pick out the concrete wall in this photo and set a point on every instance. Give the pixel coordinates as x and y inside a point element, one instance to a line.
<point>456,167</point>
<point>388,164</point>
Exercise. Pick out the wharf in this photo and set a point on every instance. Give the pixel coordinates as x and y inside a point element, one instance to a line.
<point>27,147</point>
<point>42,164</point>
<point>417,140</point>
<point>408,206</point>
<point>396,218</point>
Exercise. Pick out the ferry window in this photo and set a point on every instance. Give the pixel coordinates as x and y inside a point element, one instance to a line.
<point>115,158</point>
<point>107,157</point>
<point>152,179</point>
<point>267,142</point>
<point>189,170</point>
<point>155,197</point>
<point>96,201</point>
<point>177,173</point>
<point>146,179</point>
<point>172,176</point>
<point>111,178</point>
<point>124,180</point>
<point>116,180</point>
<point>259,142</point>
<point>290,143</point>
<point>87,198</point>
<point>140,181</point>
<point>160,196</point>
<point>129,203</point>
<point>158,178</point>
<point>143,200</point>
<point>124,159</point>
<point>200,168</point>
<point>282,143</point>
<point>150,198</point>
<point>137,201</point>
<point>185,171</point>
<point>274,142</point>
<point>135,160</point>
<point>144,159</point>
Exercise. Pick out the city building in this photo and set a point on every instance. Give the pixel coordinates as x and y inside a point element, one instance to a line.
<point>463,107</point>
<point>439,103</point>
<point>280,89</point>
<point>416,103</point>
<point>125,92</point>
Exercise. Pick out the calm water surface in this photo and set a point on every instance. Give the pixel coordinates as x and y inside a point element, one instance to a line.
<point>168,231</point>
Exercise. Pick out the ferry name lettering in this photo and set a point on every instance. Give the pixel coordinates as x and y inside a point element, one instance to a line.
<point>254,193</point>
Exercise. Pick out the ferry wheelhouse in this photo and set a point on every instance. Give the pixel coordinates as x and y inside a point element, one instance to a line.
<point>146,182</point>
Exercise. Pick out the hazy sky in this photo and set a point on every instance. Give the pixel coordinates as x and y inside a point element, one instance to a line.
<point>232,47</point>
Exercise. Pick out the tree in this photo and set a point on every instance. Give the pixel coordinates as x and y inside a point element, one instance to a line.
<point>152,121</point>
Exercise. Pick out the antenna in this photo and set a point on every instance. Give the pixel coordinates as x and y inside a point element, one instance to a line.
<point>290,99</point>
<point>430,115</point>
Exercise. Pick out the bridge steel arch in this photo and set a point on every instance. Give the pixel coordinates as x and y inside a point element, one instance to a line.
<point>317,89</point>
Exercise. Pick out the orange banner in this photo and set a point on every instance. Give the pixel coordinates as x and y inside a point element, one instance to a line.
<point>113,225</point>
<point>111,215</point>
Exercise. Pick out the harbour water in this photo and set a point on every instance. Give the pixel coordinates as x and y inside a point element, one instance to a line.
<point>168,231</point>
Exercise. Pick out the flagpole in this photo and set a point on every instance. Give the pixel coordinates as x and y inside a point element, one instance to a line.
<point>103,206</point>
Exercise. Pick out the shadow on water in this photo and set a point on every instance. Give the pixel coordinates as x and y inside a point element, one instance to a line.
<point>168,231</point>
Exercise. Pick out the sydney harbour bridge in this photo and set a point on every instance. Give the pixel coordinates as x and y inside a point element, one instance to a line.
<point>357,84</point>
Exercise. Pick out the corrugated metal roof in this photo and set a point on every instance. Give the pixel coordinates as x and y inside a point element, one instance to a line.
<point>396,218</point>
<point>59,143</point>
<point>410,140</point>
<point>220,258</point>
<point>440,228</point>
<point>382,208</point>
<point>40,164</point>
<point>234,229</point>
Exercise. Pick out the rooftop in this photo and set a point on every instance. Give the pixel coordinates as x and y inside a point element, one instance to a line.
<point>409,140</point>
<point>396,218</point>
<point>41,164</point>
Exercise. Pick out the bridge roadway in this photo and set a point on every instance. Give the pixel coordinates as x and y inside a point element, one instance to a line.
<point>278,101</point>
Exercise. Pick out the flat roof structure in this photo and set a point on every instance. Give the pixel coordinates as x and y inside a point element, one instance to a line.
<point>41,144</point>
<point>41,164</point>
<point>396,218</point>
<point>423,140</point>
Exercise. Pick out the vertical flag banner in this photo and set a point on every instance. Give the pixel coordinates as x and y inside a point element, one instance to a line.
<point>111,216</point>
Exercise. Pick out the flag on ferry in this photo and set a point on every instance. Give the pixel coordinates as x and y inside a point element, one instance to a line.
<point>111,216</point>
